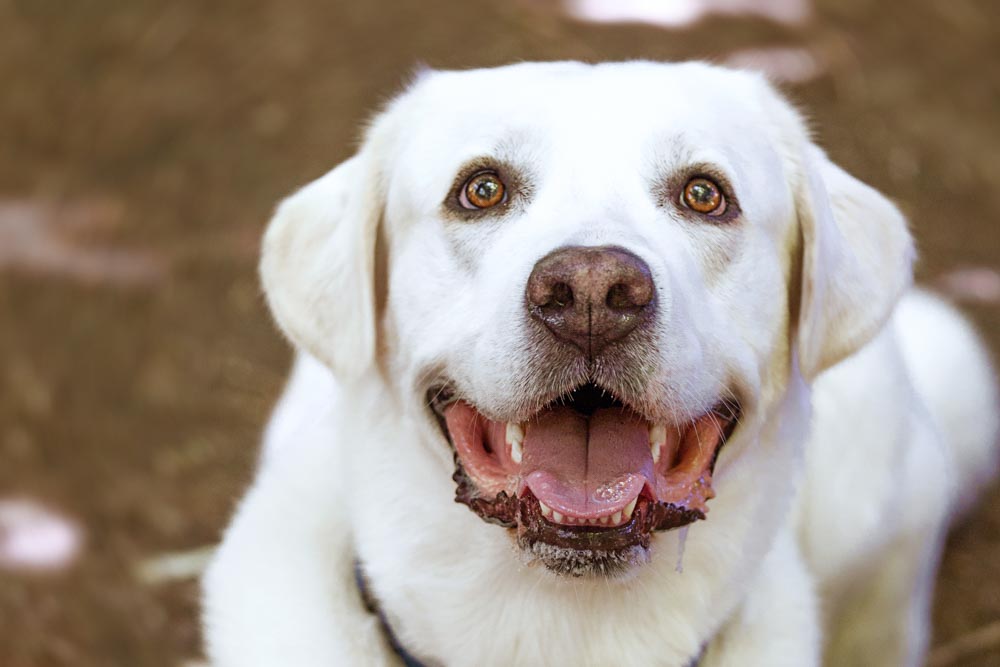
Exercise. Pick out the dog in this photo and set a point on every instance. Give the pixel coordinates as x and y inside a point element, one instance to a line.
<point>663,353</point>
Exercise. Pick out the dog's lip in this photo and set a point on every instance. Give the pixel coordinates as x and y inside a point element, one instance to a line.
<point>682,481</point>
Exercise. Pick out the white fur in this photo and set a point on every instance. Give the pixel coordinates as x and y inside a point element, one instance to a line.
<point>822,540</point>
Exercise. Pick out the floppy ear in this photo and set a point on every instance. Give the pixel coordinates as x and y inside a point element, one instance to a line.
<point>317,264</point>
<point>857,260</point>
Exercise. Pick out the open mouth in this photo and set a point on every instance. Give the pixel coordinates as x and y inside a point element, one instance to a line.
<point>587,472</point>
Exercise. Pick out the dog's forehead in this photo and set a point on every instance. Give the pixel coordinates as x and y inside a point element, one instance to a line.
<point>618,108</point>
<point>571,125</point>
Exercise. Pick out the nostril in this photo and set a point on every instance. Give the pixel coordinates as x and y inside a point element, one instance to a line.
<point>562,296</point>
<point>620,297</point>
<point>629,295</point>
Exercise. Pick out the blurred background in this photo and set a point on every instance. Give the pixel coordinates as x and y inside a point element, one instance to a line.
<point>143,144</point>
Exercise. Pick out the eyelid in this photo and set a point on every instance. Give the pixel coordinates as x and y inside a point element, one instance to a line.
<point>515,177</point>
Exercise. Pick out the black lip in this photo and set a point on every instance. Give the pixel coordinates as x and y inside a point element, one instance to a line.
<point>648,516</point>
<point>524,515</point>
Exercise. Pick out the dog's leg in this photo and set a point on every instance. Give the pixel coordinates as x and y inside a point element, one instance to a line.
<point>886,617</point>
<point>883,618</point>
<point>282,589</point>
<point>778,625</point>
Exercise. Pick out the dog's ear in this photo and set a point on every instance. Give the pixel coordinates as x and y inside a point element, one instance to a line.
<point>318,262</point>
<point>857,257</point>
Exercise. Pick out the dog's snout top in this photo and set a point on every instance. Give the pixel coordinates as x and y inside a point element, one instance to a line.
<point>591,296</point>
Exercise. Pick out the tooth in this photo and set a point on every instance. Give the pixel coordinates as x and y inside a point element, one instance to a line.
<point>629,508</point>
<point>515,452</point>
<point>657,438</point>
<point>557,517</point>
<point>592,522</point>
<point>617,518</point>
<point>605,519</point>
<point>546,510</point>
<point>515,437</point>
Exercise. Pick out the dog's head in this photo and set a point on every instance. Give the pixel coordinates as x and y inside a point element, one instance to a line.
<point>584,281</point>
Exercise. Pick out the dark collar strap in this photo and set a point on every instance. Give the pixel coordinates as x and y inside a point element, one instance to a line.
<point>409,660</point>
<point>372,606</point>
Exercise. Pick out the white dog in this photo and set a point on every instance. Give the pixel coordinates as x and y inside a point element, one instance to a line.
<point>651,340</point>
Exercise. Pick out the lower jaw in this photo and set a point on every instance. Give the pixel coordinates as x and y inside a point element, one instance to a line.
<point>576,550</point>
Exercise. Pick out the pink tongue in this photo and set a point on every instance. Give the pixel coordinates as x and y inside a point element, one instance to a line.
<point>584,467</point>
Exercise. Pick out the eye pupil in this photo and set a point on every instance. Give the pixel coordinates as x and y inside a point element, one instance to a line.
<point>701,193</point>
<point>485,189</point>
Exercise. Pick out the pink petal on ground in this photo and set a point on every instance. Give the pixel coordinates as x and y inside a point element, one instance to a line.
<point>35,538</point>
<point>38,237</point>
<point>977,284</point>
<point>682,13</point>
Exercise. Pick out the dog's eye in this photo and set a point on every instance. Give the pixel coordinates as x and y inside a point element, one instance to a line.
<point>483,190</point>
<point>703,196</point>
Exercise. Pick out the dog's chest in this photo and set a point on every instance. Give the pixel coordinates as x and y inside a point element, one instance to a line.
<point>572,634</point>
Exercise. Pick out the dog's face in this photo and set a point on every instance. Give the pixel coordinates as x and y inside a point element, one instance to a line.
<point>585,281</point>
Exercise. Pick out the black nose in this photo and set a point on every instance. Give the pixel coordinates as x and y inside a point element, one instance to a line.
<point>591,296</point>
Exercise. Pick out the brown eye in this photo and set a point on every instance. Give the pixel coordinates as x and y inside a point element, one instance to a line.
<point>483,190</point>
<point>703,196</point>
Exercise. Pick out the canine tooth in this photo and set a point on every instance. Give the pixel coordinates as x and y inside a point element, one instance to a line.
<point>515,436</point>
<point>629,509</point>
<point>515,452</point>
<point>616,518</point>
<point>657,438</point>
<point>546,510</point>
<point>557,517</point>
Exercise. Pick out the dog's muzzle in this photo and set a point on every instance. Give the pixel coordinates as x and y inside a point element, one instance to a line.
<point>588,478</point>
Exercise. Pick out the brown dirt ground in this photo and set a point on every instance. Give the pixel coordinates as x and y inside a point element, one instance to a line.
<point>136,407</point>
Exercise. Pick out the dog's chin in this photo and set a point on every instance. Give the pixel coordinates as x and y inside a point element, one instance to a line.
<point>572,562</point>
<point>584,484</point>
